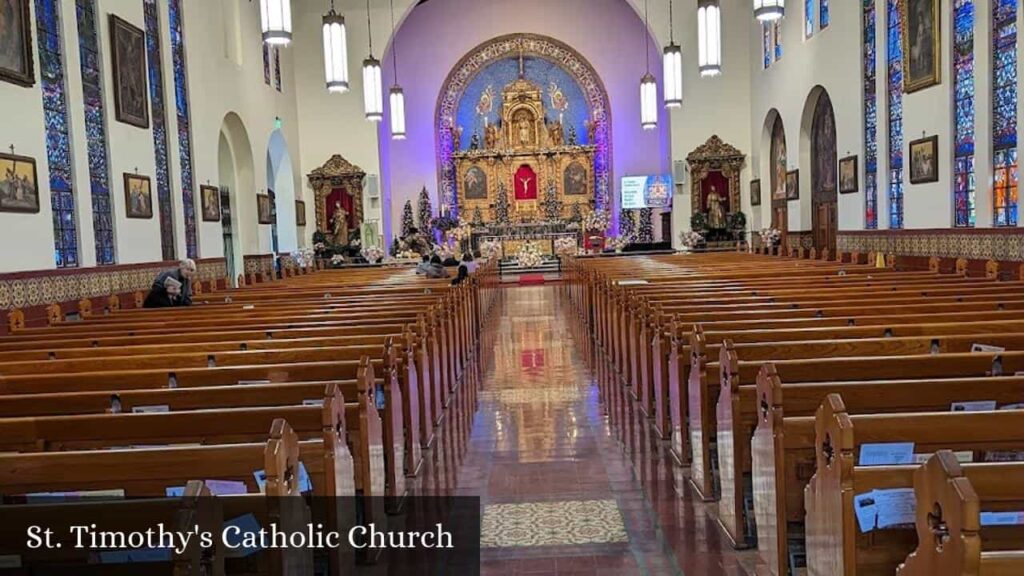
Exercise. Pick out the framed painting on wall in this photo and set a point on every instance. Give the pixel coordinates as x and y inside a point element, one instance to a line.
<point>19,185</point>
<point>128,53</point>
<point>300,213</point>
<point>848,176</point>
<point>16,62</point>
<point>263,209</point>
<point>924,160</point>
<point>138,196</point>
<point>755,192</point>
<point>211,203</point>
<point>793,185</point>
<point>922,44</point>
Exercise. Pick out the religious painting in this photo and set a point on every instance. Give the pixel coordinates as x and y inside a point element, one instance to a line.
<point>263,209</point>
<point>755,192</point>
<point>525,183</point>
<point>793,185</point>
<point>924,160</point>
<point>300,213</point>
<point>210,197</point>
<point>128,52</point>
<point>778,160</point>
<point>19,186</point>
<point>823,146</point>
<point>16,43</point>
<point>574,181</point>
<point>138,196</point>
<point>921,44</point>
<point>475,183</point>
<point>848,175</point>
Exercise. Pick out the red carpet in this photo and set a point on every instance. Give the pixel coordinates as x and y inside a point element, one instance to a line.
<point>531,279</point>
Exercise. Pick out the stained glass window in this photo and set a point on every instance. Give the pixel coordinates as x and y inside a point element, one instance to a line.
<point>184,125</point>
<point>277,68</point>
<point>157,101</point>
<point>963,113</point>
<point>266,62</point>
<point>824,18</point>
<point>58,144</point>
<point>777,30</point>
<point>1004,111</point>
<point>870,119</point>
<point>895,58</point>
<point>808,18</point>
<point>766,35</point>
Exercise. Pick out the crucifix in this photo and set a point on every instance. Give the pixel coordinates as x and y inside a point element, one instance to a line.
<point>11,148</point>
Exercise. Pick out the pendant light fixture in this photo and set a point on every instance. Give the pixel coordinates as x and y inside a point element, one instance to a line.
<point>673,67</point>
<point>397,97</point>
<point>766,10</point>
<point>276,21</point>
<point>648,86</point>
<point>335,52</point>
<point>709,37</point>
<point>372,90</point>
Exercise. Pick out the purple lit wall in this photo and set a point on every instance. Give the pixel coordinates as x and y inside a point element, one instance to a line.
<point>437,35</point>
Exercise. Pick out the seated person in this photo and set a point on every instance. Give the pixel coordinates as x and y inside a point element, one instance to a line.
<point>469,262</point>
<point>422,267</point>
<point>436,269</point>
<point>172,287</point>
<point>462,275</point>
<point>451,261</point>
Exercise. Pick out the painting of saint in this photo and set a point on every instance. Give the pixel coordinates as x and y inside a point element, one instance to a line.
<point>574,181</point>
<point>924,160</point>
<point>19,188</point>
<point>823,177</point>
<point>793,185</point>
<point>778,160</point>
<point>210,203</point>
<point>476,184</point>
<point>921,44</point>
<point>138,196</point>
<point>755,192</point>
<point>16,43</point>
<point>263,212</point>
<point>848,175</point>
<point>131,103</point>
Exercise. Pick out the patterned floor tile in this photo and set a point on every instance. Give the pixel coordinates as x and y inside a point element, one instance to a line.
<point>552,524</point>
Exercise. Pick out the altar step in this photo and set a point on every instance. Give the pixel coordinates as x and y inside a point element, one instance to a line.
<point>511,271</point>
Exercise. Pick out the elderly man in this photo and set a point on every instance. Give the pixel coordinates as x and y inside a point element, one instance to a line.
<point>172,287</point>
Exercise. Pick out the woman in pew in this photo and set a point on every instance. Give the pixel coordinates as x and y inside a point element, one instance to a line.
<point>462,275</point>
<point>172,287</point>
<point>436,268</point>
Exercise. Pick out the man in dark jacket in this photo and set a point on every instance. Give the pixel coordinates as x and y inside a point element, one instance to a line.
<point>172,287</point>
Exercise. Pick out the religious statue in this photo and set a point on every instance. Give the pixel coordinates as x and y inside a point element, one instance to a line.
<point>491,137</point>
<point>524,131</point>
<point>555,134</point>
<point>716,212</point>
<point>474,142</point>
<point>339,225</point>
<point>591,127</point>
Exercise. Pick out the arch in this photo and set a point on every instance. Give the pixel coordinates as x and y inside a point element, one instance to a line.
<point>236,173</point>
<point>532,45</point>
<point>818,154</point>
<point>774,140</point>
<point>281,179</point>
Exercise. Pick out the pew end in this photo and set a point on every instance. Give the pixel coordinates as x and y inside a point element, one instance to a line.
<point>768,477</point>
<point>699,413</point>
<point>732,444</point>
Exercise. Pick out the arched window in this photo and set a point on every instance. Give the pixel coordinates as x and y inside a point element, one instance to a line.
<point>1004,111</point>
<point>894,50</point>
<point>808,18</point>
<point>824,18</point>
<point>870,119</point>
<point>963,113</point>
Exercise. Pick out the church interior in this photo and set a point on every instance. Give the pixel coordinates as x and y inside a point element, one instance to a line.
<point>609,287</point>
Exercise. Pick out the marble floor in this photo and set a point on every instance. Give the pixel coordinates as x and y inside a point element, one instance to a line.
<point>566,491</point>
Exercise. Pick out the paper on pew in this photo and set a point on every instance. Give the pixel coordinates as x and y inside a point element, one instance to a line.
<point>962,456</point>
<point>226,487</point>
<point>864,508</point>
<point>115,494</point>
<point>313,402</point>
<point>305,484</point>
<point>974,406</point>
<point>977,347</point>
<point>1002,518</point>
<point>252,382</point>
<point>884,508</point>
<point>233,539</point>
<point>886,454</point>
<point>150,409</point>
<point>631,282</point>
<point>174,491</point>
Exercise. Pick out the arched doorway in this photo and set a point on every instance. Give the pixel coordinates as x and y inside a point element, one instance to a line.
<point>824,175</point>
<point>281,188</point>
<point>778,168</point>
<point>238,212</point>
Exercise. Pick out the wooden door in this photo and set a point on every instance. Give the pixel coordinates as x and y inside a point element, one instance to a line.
<point>825,223</point>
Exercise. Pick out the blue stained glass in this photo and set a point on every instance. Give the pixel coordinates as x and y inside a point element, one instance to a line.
<point>277,68</point>
<point>894,50</point>
<point>767,44</point>
<point>159,114</point>
<point>824,18</point>
<point>58,141</point>
<point>96,132</point>
<point>1004,112</point>
<point>870,119</point>
<point>266,63</point>
<point>808,18</point>
<point>777,29</point>
<point>184,126</point>
<point>964,214</point>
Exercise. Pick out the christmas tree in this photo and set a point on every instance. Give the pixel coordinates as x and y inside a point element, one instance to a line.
<point>645,234</point>
<point>501,205</point>
<point>627,223</point>
<point>551,205</point>
<point>426,211</point>
<point>478,218</point>
<point>575,214</point>
<point>407,222</point>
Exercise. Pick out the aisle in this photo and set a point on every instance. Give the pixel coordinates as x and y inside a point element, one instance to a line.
<point>562,493</point>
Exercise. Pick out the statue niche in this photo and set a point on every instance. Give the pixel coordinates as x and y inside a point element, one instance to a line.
<point>338,191</point>
<point>715,175</point>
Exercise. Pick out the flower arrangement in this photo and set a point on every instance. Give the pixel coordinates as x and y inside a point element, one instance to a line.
<point>770,236</point>
<point>461,232</point>
<point>490,249</point>
<point>407,255</point>
<point>596,221</point>
<point>565,246</point>
<point>529,255</point>
<point>445,250</point>
<point>691,239</point>
<point>372,254</point>
<point>337,260</point>
<point>619,243</point>
<point>304,257</point>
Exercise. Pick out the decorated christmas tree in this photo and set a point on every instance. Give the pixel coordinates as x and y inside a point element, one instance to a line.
<point>425,211</point>
<point>576,214</point>
<point>407,222</point>
<point>501,205</point>
<point>551,205</point>
<point>645,232</point>
<point>478,218</point>
<point>627,223</point>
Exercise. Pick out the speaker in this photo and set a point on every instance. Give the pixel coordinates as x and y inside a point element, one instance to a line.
<point>371,184</point>
<point>680,174</point>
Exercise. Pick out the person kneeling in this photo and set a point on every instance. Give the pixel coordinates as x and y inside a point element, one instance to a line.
<point>172,287</point>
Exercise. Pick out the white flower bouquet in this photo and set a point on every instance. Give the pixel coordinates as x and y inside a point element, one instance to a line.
<point>565,246</point>
<point>691,239</point>
<point>490,249</point>
<point>596,221</point>
<point>372,254</point>
<point>529,255</point>
<point>770,236</point>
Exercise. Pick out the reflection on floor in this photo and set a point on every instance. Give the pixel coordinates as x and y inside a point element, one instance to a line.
<point>564,491</point>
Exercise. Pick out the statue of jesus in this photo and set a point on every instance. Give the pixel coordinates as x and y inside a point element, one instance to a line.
<point>716,213</point>
<point>340,225</point>
<point>524,132</point>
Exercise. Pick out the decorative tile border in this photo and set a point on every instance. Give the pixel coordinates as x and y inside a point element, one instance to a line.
<point>259,263</point>
<point>552,524</point>
<point>979,244</point>
<point>24,289</point>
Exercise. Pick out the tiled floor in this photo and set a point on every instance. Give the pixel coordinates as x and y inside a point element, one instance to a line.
<point>564,490</point>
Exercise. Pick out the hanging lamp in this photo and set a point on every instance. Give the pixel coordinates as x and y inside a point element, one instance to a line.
<point>673,67</point>
<point>276,21</point>
<point>709,37</point>
<point>335,52</point>
<point>397,97</point>
<point>766,10</point>
<point>373,92</point>
<point>648,85</point>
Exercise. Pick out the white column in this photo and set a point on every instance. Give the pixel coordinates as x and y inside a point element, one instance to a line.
<point>983,112</point>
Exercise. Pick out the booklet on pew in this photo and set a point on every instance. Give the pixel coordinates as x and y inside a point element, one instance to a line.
<point>1002,518</point>
<point>974,406</point>
<point>150,409</point>
<point>886,454</point>
<point>880,509</point>
<point>978,347</point>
